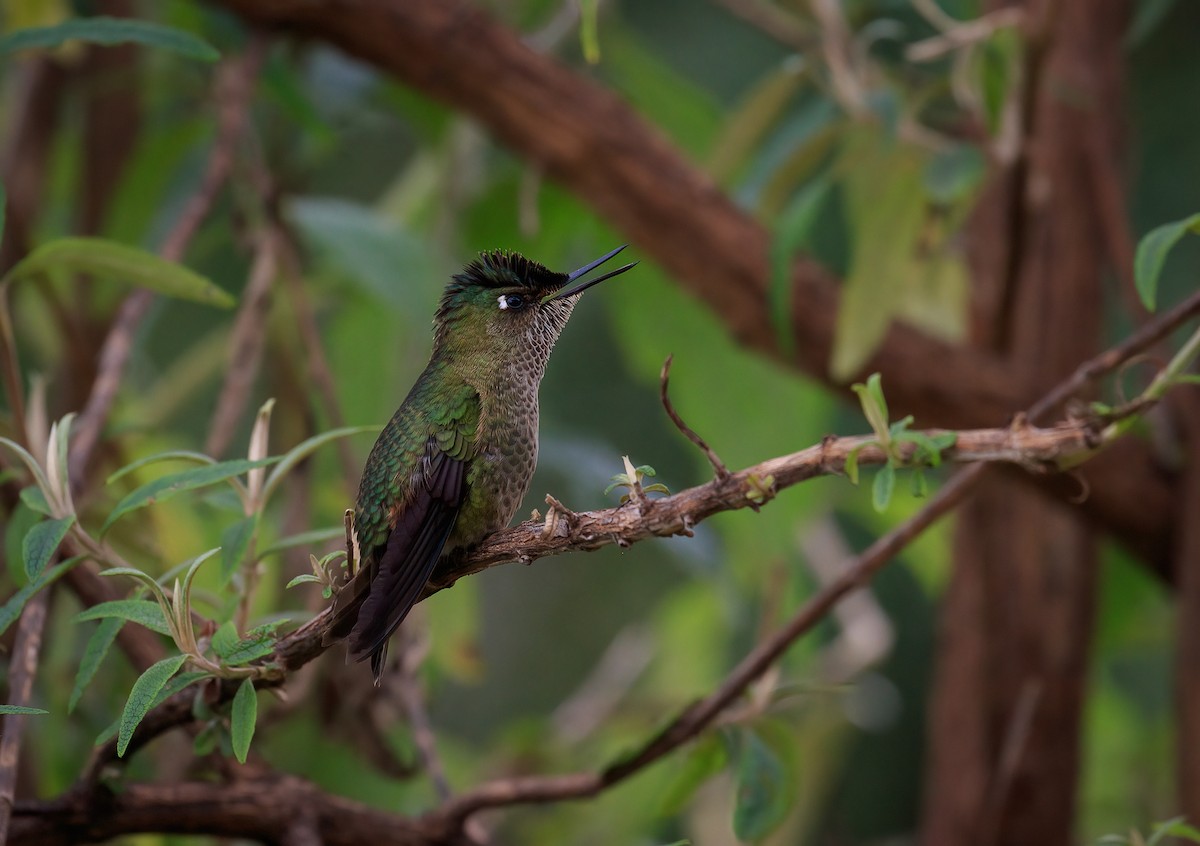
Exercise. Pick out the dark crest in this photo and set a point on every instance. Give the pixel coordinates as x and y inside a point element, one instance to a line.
<point>503,269</point>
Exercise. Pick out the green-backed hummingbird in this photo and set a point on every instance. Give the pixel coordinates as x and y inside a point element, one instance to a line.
<point>456,459</point>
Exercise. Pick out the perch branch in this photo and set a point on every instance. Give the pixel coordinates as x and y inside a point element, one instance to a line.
<point>559,121</point>
<point>1029,446</point>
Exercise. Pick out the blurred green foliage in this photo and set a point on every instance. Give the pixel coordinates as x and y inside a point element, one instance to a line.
<point>391,193</point>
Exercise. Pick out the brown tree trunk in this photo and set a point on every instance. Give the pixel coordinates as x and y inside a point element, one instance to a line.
<point>1005,711</point>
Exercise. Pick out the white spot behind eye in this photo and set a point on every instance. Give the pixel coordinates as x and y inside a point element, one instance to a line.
<point>503,300</point>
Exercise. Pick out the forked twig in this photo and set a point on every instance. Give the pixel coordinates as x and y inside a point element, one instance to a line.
<point>664,381</point>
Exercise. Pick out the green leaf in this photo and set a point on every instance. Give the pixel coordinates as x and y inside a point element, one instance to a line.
<point>35,469</point>
<point>3,209</point>
<point>144,612</point>
<point>874,406</point>
<point>235,543</point>
<point>928,450</point>
<point>93,655</point>
<point>146,580</point>
<point>11,610</point>
<point>185,599</point>
<point>852,464</point>
<point>882,487</point>
<point>173,455</point>
<point>1152,253</point>
<point>170,689</point>
<point>107,32</point>
<point>303,450</point>
<point>920,486</point>
<point>242,718</point>
<point>21,709</point>
<point>589,30</point>
<point>303,539</point>
<point>186,480</point>
<point>35,500</point>
<point>258,643</point>
<point>703,760</point>
<point>142,696</point>
<point>1175,827</point>
<point>763,798</point>
<point>41,543</point>
<point>110,260</point>
<point>301,579</point>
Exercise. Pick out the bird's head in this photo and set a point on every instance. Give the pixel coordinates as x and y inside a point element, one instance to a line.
<point>504,304</point>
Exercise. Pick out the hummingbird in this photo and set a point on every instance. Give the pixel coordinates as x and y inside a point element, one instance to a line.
<point>457,457</point>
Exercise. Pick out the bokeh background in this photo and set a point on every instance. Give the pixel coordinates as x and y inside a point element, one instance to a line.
<point>561,665</point>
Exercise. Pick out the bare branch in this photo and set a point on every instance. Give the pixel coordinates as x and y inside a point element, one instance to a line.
<point>664,380</point>
<point>246,344</point>
<point>21,671</point>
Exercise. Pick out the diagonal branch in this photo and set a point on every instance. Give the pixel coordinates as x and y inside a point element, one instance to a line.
<point>586,138</point>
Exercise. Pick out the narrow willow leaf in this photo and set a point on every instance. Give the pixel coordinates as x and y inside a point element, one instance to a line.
<point>188,577</point>
<point>144,612</point>
<point>142,696</point>
<point>56,460</point>
<point>146,580</point>
<point>303,450</point>
<point>258,643</point>
<point>21,709</point>
<point>874,406</point>
<point>1152,253</point>
<point>93,656</point>
<point>35,469</point>
<point>224,638</point>
<point>762,796</point>
<point>108,31</point>
<point>109,260</point>
<point>11,610</point>
<point>41,543</point>
<point>301,579</point>
<point>186,480</point>
<point>242,718</point>
<point>235,543</point>
<point>172,687</point>
<point>303,539</point>
<point>883,486</point>
<point>35,500</point>
<point>173,455</point>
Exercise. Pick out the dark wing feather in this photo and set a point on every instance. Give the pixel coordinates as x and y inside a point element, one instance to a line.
<point>413,548</point>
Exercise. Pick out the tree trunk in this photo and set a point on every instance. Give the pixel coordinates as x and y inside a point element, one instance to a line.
<point>1016,622</point>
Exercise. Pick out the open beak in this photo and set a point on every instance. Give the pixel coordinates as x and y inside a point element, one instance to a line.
<point>588,268</point>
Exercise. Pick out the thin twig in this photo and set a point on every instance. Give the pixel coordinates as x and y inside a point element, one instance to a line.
<point>676,514</point>
<point>234,91</point>
<point>21,671</point>
<point>664,380</point>
<point>411,694</point>
<point>246,344</point>
<point>316,361</point>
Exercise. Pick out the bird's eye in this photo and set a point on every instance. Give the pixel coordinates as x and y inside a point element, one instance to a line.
<point>511,302</point>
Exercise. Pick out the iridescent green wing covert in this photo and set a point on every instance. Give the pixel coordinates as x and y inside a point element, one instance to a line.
<point>408,502</point>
